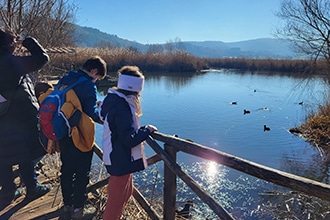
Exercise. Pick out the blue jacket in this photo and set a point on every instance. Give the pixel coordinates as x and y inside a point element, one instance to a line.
<point>86,92</point>
<point>123,136</point>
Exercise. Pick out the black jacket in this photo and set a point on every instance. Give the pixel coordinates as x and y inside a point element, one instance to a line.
<point>19,139</point>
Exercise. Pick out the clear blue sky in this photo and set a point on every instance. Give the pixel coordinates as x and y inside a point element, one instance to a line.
<point>161,21</point>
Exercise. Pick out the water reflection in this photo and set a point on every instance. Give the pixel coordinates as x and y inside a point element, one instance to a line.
<point>235,192</point>
<point>198,107</point>
<point>211,170</point>
<point>103,90</point>
<point>317,169</point>
<point>175,81</point>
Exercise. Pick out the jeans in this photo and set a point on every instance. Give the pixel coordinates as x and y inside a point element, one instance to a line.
<point>75,173</point>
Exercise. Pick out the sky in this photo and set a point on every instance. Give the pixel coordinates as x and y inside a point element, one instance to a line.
<point>161,21</point>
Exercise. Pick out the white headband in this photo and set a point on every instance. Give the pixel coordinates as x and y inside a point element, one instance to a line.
<point>130,83</point>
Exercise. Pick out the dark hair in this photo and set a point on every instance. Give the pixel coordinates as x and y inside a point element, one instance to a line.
<point>131,71</point>
<point>41,87</point>
<point>7,41</point>
<point>98,63</point>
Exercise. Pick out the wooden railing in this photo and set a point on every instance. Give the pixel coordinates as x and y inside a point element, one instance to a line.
<point>172,170</point>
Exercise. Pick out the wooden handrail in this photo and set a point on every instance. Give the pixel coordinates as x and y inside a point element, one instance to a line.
<point>308,186</point>
<point>205,196</point>
<point>174,144</point>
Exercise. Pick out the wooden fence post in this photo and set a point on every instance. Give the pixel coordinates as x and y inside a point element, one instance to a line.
<point>169,186</point>
<point>176,169</point>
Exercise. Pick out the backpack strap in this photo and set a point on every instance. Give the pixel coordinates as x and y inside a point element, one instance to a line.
<point>69,86</point>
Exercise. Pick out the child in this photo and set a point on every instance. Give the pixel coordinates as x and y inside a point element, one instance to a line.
<point>123,151</point>
<point>77,151</point>
<point>42,88</point>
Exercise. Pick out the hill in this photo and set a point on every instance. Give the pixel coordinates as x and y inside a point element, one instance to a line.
<point>92,37</point>
<point>256,48</point>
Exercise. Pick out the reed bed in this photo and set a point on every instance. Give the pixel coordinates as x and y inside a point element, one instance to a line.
<point>178,62</point>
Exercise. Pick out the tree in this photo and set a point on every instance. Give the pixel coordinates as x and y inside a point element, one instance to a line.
<point>307,26</point>
<point>169,47</point>
<point>155,48</point>
<point>174,46</point>
<point>50,21</point>
<point>179,45</point>
<point>104,44</point>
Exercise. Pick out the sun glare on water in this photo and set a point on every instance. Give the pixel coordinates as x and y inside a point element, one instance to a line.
<point>212,169</point>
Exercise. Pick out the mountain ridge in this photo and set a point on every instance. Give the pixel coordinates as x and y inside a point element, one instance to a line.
<point>255,48</point>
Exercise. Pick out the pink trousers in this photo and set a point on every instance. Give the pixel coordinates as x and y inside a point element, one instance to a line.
<point>120,188</point>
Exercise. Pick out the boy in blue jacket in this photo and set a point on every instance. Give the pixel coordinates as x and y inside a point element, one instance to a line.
<point>76,163</point>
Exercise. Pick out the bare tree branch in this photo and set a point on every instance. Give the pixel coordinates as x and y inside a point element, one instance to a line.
<point>307,26</point>
<point>50,21</point>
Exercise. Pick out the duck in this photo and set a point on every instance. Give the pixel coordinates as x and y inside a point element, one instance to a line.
<point>185,212</point>
<point>266,128</point>
<point>295,131</point>
<point>300,103</point>
<point>233,103</point>
<point>246,111</point>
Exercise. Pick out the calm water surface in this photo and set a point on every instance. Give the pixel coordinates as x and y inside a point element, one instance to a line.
<point>200,108</point>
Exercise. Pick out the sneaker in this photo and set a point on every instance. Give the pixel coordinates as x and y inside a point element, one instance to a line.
<point>38,191</point>
<point>66,212</point>
<point>84,213</point>
<point>18,193</point>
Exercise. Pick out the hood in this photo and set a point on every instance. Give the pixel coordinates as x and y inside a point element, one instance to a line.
<point>72,76</point>
<point>110,101</point>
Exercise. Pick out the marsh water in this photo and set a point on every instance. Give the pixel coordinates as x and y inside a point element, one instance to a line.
<point>209,109</point>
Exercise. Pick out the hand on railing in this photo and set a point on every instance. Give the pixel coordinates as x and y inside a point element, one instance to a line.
<point>151,128</point>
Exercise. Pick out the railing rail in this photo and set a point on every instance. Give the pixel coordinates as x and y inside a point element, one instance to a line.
<point>169,212</point>
<point>308,186</point>
<point>172,170</point>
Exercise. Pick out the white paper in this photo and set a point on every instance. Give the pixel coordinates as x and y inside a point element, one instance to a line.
<point>2,99</point>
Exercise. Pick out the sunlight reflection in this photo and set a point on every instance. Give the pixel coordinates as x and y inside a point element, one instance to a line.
<point>211,169</point>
